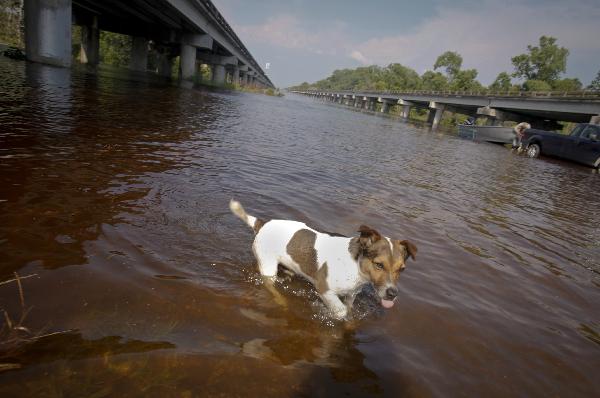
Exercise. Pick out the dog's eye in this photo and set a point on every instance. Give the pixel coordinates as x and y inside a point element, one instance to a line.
<point>378,265</point>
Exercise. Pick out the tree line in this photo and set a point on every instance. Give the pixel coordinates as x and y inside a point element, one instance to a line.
<point>539,69</point>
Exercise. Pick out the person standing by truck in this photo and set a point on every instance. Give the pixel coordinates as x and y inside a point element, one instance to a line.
<point>519,134</point>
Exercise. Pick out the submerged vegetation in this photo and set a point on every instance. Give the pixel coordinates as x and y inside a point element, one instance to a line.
<point>539,69</point>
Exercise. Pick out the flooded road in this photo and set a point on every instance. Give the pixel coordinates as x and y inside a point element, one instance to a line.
<point>113,194</point>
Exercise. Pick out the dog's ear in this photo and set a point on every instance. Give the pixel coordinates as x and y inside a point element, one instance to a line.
<point>368,235</point>
<point>411,249</point>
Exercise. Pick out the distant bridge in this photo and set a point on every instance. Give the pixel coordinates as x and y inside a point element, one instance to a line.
<point>539,109</point>
<point>194,30</point>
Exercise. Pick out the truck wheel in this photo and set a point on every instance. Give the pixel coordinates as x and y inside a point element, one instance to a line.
<point>533,150</point>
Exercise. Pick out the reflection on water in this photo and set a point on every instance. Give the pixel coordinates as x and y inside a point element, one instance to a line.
<point>115,189</point>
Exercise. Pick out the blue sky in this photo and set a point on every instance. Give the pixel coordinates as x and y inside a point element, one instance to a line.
<point>306,40</point>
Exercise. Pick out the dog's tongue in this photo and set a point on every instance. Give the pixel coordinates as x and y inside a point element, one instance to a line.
<point>387,303</point>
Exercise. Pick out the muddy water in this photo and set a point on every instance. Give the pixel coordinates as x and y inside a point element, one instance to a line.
<point>113,194</point>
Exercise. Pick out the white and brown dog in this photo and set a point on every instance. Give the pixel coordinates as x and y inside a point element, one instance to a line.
<point>337,266</point>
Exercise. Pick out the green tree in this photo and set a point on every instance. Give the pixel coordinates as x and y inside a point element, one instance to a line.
<point>545,62</point>
<point>502,83</point>
<point>115,49</point>
<point>465,80</point>
<point>434,81</point>
<point>536,85</point>
<point>399,77</point>
<point>567,85</point>
<point>595,84</point>
<point>451,62</point>
<point>11,22</point>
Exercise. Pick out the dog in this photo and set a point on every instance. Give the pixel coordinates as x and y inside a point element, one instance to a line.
<point>335,265</point>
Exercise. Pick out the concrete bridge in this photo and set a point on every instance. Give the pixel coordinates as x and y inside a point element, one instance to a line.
<point>542,110</point>
<point>194,30</point>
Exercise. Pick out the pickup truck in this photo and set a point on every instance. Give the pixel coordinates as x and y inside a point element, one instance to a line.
<point>581,146</point>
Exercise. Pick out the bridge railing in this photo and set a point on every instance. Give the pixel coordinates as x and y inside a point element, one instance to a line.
<point>225,25</point>
<point>590,94</point>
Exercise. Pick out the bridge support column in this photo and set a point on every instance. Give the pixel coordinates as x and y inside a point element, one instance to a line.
<point>218,74</point>
<point>494,117</point>
<point>235,75</point>
<point>436,111</point>
<point>406,111</point>
<point>48,31</point>
<point>595,119</point>
<point>139,54</point>
<point>165,65</point>
<point>385,106</point>
<point>89,52</point>
<point>187,62</point>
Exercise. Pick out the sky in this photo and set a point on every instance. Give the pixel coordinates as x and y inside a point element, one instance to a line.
<point>306,40</point>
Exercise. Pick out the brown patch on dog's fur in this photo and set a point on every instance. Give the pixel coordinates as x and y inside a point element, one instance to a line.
<point>302,250</point>
<point>258,225</point>
<point>321,279</point>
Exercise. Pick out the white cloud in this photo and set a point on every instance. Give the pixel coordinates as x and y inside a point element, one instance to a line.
<point>287,31</point>
<point>357,55</point>
<point>489,35</point>
<point>486,35</point>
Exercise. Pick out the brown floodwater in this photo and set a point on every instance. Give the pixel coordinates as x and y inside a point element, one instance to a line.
<point>114,193</point>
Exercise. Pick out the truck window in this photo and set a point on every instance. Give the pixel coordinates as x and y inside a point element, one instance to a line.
<point>577,130</point>
<point>589,130</point>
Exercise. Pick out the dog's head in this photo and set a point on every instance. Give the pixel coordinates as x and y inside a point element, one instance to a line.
<point>381,260</point>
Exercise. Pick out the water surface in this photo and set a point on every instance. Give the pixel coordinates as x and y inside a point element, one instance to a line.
<point>114,192</point>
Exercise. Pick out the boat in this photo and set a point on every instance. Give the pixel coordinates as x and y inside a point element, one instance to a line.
<point>495,134</point>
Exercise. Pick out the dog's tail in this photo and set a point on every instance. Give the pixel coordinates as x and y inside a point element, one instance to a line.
<point>253,222</point>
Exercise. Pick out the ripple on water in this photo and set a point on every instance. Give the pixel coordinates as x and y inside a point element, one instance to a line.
<point>115,191</point>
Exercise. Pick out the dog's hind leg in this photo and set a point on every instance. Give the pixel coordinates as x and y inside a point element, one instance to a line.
<point>268,269</point>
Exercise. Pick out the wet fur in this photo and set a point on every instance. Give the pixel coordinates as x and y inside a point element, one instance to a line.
<point>335,265</point>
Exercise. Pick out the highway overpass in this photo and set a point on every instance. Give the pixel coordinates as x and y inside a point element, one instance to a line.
<point>193,30</point>
<point>539,109</point>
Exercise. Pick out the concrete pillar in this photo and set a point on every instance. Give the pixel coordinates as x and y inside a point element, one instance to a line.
<point>48,31</point>
<point>89,52</point>
<point>406,111</point>
<point>236,75</point>
<point>431,115</point>
<point>439,112</point>
<point>367,104</point>
<point>165,65</point>
<point>187,62</point>
<point>595,119</point>
<point>139,54</point>
<point>218,74</point>
<point>385,107</point>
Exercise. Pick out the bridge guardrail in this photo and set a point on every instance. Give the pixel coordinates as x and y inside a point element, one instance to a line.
<point>585,94</point>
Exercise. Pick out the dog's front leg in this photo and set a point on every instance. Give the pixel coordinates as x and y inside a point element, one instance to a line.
<point>333,302</point>
<point>350,300</point>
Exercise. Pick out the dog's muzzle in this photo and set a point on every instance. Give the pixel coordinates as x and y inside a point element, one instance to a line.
<point>390,295</point>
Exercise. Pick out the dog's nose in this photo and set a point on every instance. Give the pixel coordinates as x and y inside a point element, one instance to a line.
<point>391,293</point>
